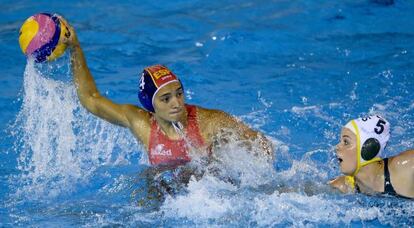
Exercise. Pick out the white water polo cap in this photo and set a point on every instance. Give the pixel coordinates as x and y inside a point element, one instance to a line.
<point>372,135</point>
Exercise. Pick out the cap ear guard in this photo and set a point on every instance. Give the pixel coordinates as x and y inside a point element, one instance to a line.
<point>370,149</point>
<point>146,91</point>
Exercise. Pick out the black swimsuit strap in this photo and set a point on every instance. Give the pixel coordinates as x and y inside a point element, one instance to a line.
<point>388,188</point>
<point>357,189</point>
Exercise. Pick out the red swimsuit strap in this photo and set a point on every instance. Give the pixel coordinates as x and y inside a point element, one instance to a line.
<point>193,130</point>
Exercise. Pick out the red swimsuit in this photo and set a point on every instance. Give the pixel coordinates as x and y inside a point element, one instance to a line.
<point>167,152</point>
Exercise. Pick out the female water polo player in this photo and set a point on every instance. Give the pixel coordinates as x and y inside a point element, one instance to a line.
<point>168,127</point>
<point>359,154</point>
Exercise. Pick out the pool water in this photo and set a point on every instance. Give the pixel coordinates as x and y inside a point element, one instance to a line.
<point>295,70</point>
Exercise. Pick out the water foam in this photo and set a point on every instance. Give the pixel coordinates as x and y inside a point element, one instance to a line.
<point>59,144</point>
<point>254,194</point>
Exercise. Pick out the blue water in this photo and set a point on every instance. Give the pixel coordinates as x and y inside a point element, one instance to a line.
<point>295,70</point>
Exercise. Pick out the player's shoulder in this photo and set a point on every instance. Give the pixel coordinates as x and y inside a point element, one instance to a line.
<point>136,113</point>
<point>210,113</point>
<point>406,156</point>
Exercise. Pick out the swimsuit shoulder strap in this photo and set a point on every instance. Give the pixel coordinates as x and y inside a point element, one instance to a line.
<point>388,188</point>
<point>357,189</point>
<point>191,111</point>
<point>193,130</point>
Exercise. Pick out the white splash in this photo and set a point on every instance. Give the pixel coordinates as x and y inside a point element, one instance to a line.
<point>59,143</point>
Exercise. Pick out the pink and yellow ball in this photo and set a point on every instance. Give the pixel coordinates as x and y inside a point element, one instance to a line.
<point>41,35</point>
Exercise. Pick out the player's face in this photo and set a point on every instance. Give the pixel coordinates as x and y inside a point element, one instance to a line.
<point>169,102</point>
<point>346,151</point>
